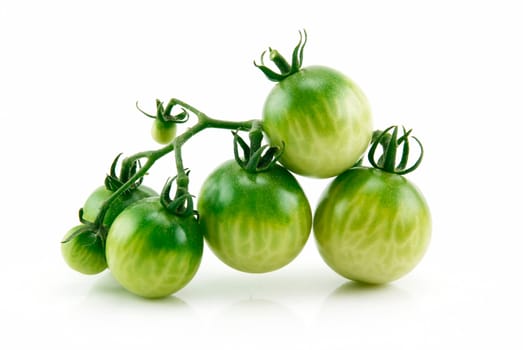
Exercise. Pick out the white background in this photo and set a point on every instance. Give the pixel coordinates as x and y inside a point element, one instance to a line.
<point>71,72</point>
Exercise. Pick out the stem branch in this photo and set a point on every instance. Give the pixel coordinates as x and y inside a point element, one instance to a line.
<point>182,180</point>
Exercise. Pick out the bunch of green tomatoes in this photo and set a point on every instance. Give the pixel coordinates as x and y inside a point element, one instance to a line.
<point>371,224</point>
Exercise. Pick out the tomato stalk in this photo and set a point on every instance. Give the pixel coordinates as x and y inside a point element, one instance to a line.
<point>281,63</point>
<point>182,202</point>
<point>152,157</point>
<point>128,169</point>
<point>256,158</point>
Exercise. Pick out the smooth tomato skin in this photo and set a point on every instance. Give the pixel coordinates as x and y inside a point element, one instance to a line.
<point>84,253</point>
<point>95,200</point>
<point>371,226</point>
<point>151,252</point>
<point>163,132</point>
<point>322,117</point>
<point>254,222</point>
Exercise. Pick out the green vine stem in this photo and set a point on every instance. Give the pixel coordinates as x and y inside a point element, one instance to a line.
<point>150,157</point>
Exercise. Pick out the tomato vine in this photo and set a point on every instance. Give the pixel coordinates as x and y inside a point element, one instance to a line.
<point>182,180</point>
<point>251,210</point>
<point>181,204</point>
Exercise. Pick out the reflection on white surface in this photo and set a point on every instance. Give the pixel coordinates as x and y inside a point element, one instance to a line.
<point>256,322</point>
<point>353,312</point>
<point>355,292</point>
<point>304,305</point>
<point>107,288</point>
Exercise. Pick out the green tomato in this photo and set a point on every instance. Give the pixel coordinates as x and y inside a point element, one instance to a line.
<point>85,252</point>
<point>372,226</point>
<point>151,252</point>
<point>95,201</point>
<point>163,132</point>
<point>322,117</point>
<point>254,222</point>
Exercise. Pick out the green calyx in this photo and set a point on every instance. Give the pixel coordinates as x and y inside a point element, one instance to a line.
<point>98,232</point>
<point>256,158</point>
<point>128,169</point>
<point>113,182</point>
<point>391,142</point>
<point>285,69</point>
<point>182,204</point>
<point>131,172</point>
<point>164,113</point>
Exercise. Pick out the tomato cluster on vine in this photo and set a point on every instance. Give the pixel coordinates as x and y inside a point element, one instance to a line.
<point>370,225</point>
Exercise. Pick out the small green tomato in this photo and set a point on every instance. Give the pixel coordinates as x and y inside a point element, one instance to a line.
<point>96,199</point>
<point>163,132</point>
<point>84,252</point>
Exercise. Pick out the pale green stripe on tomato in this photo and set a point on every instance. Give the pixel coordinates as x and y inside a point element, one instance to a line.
<point>323,118</point>
<point>252,245</point>
<point>254,222</point>
<point>372,229</point>
<point>151,252</point>
<point>84,253</point>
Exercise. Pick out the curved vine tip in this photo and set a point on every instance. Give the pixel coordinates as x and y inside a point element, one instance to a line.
<point>391,142</point>
<point>285,69</point>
